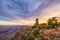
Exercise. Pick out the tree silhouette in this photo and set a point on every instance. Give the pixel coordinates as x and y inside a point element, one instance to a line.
<point>53,22</point>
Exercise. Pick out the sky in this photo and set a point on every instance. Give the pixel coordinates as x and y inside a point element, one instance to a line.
<point>24,12</point>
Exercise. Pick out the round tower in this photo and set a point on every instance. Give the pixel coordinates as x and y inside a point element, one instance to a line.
<point>36,22</point>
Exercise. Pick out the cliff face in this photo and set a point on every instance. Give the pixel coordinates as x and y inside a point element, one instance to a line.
<point>8,31</point>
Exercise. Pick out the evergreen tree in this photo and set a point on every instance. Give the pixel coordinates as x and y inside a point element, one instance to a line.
<point>52,23</point>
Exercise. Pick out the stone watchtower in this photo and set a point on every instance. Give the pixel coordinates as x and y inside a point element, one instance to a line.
<point>36,22</point>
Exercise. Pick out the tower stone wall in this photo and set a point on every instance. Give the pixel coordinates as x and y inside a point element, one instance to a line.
<point>36,22</point>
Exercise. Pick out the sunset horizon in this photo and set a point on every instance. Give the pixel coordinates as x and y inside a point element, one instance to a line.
<point>23,22</point>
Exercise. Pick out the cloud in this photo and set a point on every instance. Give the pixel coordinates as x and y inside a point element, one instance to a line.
<point>25,11</point>
<point>21,8</point>
<point>52,10</point>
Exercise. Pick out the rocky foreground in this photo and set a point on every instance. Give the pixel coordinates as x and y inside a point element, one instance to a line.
<point>51,34</point>
<point>48,34</point>
<point>15,33</point>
